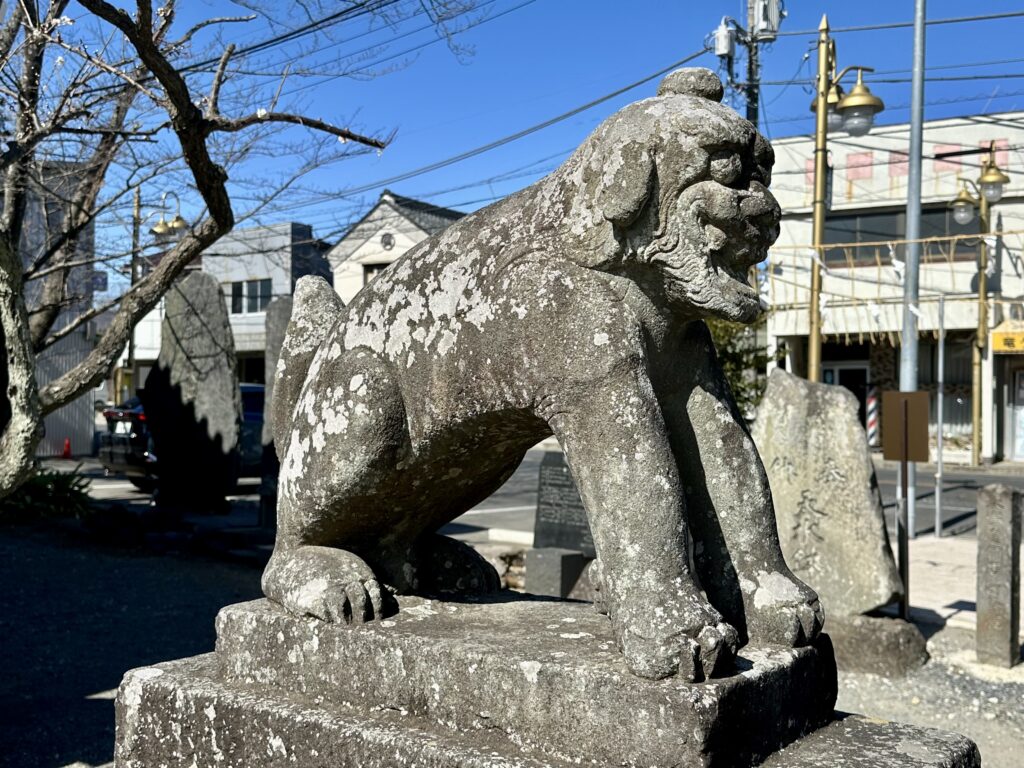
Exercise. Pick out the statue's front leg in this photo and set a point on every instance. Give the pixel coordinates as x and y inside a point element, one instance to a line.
<point>614,438</point>
<point>737,552</point>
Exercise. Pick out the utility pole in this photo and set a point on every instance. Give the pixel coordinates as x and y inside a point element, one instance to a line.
<point>762,26</point>
<point>825,65</point>
<point>753,86</point>
<point>132,278</point>
<point>909,345</point>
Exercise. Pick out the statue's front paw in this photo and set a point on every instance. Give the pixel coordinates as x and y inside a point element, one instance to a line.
<point>781,609</point>
<point>676,634</point>
<point>326,583</point>
<point>693,659</point>
<point>353,602</point>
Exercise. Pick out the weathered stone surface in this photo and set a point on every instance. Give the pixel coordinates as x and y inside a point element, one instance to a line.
<point>192,401</point>
<point>545,673</point>
<point>827,502</point>
<point>552,571</point>
<point>998,573</point>
<point>852,741</point>
<point>279,312</point>
<point>564,309</point>
<point>180,715</point>
<point>307,694</point>
<point>880,645</point>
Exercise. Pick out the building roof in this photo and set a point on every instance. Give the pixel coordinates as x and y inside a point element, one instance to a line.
<point>430,218</point>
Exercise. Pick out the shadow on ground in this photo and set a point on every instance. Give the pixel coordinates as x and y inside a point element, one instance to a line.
<point>74,616</point>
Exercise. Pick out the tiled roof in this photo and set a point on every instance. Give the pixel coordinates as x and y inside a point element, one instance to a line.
<point>430,218</point>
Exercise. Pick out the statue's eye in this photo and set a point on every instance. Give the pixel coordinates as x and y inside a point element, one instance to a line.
<point>726,167</point>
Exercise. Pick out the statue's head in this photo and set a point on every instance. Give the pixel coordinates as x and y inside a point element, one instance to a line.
<point>672,192</point>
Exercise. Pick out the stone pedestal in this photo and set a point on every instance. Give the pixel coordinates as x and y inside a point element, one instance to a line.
<point>519,682</point>
<point>880,645</point>
<point>999,538</point>
<point>553,571</point>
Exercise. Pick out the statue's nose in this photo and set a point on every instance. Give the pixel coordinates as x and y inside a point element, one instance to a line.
<point>760,208</point>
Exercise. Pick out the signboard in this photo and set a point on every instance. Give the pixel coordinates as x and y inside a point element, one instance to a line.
<point>561,520</point>
<point>913,408</point>
<point>1008,342</point>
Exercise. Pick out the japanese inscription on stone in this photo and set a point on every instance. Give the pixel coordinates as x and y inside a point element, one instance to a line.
<point>561,519</point>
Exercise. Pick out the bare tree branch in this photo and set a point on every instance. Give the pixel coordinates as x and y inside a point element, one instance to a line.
<point>212,107</point>
<point>187,37</point>
<point>78,322</point>
<point>227,125</point>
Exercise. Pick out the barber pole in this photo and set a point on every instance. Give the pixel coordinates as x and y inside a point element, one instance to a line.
<point>874,436</point>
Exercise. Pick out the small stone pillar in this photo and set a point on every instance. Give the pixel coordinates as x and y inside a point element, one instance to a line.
<point>998,598</point>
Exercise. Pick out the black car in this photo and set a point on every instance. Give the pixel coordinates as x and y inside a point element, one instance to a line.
<point>127,446</point>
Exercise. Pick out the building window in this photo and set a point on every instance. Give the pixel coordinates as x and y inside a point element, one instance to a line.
<point>249,297</point>
<point>850,229</point>
<point>370,271</point>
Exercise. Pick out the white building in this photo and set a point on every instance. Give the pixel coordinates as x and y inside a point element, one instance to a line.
<point>47,208</point>
<point>254,265</point>
<point>862,279</point>
<point>393,226</point>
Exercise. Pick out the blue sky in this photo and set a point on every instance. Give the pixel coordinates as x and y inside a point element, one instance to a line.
<point>545,57</point>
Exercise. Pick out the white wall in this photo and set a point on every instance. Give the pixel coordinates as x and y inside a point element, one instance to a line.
<point>362,246</point>
<point>870,175</point>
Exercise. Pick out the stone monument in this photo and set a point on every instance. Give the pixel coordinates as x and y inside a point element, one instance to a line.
<point>192,401</point>
<point>831,526</point>
<point>998,573</point>
<point>563,309</point>
<point>563,546</point>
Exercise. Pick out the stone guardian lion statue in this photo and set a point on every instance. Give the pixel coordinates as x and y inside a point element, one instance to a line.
<point>572,307</point>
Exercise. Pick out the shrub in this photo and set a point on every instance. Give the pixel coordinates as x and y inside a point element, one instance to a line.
<point>48,494</point>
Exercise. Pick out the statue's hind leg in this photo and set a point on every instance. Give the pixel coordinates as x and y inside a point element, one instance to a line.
<point>446,566</point>
<point>348,436</point>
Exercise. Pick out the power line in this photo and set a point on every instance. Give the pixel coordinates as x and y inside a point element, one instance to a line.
<point>519,134</point>
<point>274,69</point>
<point>907,24</point>
<point>930,79</point>
<point>373,64</point>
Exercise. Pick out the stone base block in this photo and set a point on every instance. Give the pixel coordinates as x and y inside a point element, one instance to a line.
<point>543,673</point>
<point>852,741</point>
<point>877,644</point>
<point>181,714</point>
<point>553,571</point>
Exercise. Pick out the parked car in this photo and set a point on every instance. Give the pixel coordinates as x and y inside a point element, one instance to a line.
<point>127,446</point>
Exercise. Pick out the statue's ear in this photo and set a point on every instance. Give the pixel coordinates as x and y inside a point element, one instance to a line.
<point>623,195</point>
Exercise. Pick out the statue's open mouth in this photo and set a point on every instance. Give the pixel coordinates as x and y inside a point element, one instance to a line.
<point>733,252</point>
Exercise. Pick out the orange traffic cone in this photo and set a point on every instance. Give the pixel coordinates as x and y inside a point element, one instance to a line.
<point>66,453</point>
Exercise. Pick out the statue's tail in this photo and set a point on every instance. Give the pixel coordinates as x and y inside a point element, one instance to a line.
<point>315,308</point>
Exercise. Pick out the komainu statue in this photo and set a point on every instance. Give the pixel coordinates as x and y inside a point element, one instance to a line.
<point>574,307</point>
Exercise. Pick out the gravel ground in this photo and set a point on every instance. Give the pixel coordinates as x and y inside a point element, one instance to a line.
<point>952,692</point>
<point>74,616</point>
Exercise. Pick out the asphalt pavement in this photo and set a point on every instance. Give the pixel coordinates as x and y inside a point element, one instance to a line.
<point>959,495</point>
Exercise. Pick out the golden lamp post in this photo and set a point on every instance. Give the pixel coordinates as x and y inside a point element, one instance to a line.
<point>855,113</point>
<point>988,190</point>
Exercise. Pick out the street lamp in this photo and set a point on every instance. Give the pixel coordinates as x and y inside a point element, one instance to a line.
<point>855,113</point>
<point>164,228</point>
<point>987,190</point>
